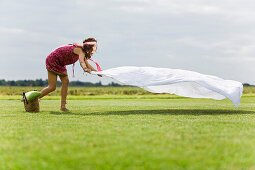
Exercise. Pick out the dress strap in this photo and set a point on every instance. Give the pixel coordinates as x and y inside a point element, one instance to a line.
<point>73,70</point>
<point>76,45</point>
<point>98,67</point>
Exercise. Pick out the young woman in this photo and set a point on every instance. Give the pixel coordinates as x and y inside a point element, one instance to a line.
<point>56,63</point>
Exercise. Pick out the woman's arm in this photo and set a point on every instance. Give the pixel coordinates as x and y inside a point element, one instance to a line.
<point>82,59</point>
<point>88,65</point>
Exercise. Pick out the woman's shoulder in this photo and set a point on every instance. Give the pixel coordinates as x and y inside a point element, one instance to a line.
<point>77,50</point>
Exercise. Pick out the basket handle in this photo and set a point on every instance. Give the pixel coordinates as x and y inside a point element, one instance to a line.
<point>24,97</point>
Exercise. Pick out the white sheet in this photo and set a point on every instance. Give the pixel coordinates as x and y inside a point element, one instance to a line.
<point>175,81</point>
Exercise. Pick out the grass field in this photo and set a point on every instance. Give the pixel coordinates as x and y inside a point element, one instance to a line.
<point>93,91</point>
<point>128,132</point>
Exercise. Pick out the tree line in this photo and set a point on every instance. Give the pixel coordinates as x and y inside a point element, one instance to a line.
<point>42,83</point>
<point>247,84</point>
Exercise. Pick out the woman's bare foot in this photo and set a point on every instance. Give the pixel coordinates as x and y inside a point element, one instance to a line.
<point>64,109</point>
<point>63,106</point>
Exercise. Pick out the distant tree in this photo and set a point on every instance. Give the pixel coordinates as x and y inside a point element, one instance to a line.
<point>39,82</point>
<point>43,83</point>
<point>2,83</point>
<point>114,84</point>
<point>58,83</point>
<point>98,84</point>
<point>12,83</point>
<point>246,84</point>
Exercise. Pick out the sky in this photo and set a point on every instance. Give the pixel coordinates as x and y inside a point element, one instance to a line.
<point>210,37</point>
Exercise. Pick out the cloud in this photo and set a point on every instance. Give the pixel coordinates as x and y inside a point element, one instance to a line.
<point>200,35</point>
<point>237,11</point>
<point>170,7</point>
<point>8,30</point>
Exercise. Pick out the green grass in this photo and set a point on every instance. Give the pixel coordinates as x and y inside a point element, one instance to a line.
<point>128,132</point>
<point>92,91</point>
<point>77,91</point>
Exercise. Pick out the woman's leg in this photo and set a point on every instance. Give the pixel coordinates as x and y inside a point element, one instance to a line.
<point>52,83</point>
<point>64,88</point>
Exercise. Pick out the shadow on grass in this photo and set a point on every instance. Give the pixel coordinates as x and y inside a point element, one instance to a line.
<point>160,112</point>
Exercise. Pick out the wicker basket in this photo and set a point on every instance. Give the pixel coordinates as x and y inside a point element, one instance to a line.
<point>31,106</point>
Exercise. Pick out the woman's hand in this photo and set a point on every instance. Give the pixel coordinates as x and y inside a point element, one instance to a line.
<point>87,70</point>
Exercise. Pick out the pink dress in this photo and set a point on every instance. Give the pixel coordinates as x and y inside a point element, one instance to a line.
<point>57,60</point>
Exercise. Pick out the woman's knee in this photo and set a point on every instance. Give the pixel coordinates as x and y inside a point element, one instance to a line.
<point>52,88</point>
<point>65,81</point>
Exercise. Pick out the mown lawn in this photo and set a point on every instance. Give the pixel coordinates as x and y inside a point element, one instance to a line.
<point>125,132</point>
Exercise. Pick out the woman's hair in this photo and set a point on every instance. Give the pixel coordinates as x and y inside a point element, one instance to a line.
<point>88,48</point>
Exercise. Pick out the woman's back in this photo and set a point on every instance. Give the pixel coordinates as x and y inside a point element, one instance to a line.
<point>64,54</point>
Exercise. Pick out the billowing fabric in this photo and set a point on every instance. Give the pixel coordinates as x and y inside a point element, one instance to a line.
<point>57,60</point>
<point>175,81</point>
